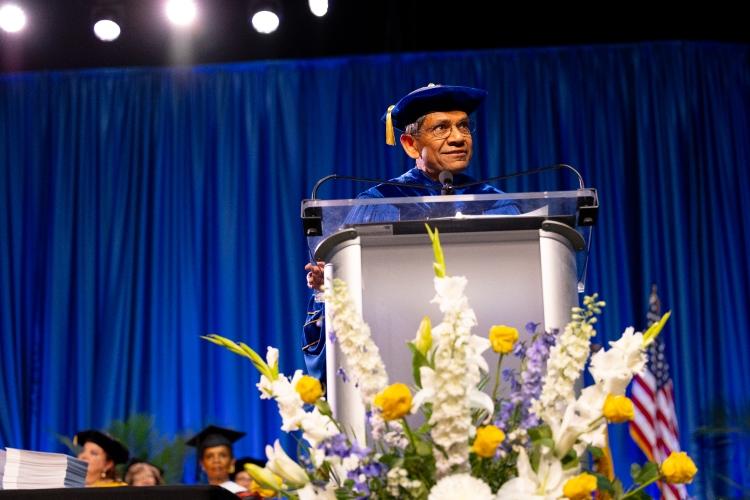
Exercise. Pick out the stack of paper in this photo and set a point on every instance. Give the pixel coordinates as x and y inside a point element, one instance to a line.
<point>35,470</point>
<point>2,467</point>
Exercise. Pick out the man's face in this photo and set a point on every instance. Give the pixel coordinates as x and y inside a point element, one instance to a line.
<point>443,142</point>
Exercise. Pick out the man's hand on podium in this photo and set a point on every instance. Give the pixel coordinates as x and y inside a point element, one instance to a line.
<point>315,275</point>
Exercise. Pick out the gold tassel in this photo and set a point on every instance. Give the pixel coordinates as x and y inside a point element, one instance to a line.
<point>390,136</point>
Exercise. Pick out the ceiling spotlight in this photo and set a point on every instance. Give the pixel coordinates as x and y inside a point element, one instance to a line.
<point>264,16</point>
<point>181,12</point>
<point>106,30</point>
<point>318,7</point>
<point>12,18</point>
<point>107,18</point>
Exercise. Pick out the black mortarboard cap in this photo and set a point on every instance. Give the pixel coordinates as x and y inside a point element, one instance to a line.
<point>430,99</point>
<point>111,446</point>
<point>213,436</point>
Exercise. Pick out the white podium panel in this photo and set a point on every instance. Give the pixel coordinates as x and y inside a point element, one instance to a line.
<point>514,277</point>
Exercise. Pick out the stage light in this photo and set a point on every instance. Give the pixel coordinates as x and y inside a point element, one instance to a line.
<point>106,30</point>
<point>318,7</point>
<point>181,12</point>
<point>106,17</point>
<point>265,16</point>
<point>12,18</point>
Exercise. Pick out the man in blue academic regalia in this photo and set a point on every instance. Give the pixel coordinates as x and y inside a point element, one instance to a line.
<point>437,134</point>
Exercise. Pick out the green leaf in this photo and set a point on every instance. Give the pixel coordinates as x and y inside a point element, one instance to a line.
<point>258,362</point>
<point>540,432</point>
<point>391,461</point>
<point>439,264</point>
<point>647,473</point>
<point>548,442</point>
<point>603,484</point>
<point>534,458</point>
<point>639,495</point>
<point>654,330</point>
<point>570,459</point>
<point>596,453</point>
<point>423,449</point>
<point>424,428</point>
<point>418,360</point>
<point>635,471</point>
<point>619,490</point>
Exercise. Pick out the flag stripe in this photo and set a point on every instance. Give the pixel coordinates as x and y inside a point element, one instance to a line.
<point>654,427</point>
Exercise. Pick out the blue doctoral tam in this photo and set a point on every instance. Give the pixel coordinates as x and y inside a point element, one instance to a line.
<point>434,98</point>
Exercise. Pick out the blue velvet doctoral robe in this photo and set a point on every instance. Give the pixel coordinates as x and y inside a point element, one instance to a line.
<point>313,346</point>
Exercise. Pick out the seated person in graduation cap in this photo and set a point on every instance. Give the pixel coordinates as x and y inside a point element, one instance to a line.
<point>102,452</point>
<point>142,473</point>
<point>243,478</point>
<point>437,135</point>
<point>240,475</point>
<point>215,456</point>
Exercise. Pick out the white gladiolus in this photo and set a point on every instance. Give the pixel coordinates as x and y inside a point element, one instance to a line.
<point>362,357</point>
<point>566,361</point>
<point>317,427</point>
<point>452,385</point>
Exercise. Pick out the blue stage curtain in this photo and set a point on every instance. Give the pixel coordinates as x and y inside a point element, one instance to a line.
<point>141,208</point>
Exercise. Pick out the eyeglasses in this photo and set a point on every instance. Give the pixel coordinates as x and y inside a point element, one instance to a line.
<point>444,129</point>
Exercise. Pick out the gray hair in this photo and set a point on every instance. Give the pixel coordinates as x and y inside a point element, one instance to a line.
<point>413,128</point>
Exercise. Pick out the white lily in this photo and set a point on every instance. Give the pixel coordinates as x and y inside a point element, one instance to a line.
<point>577,419</point>
<point>312,492</point>
<point>546,484</point>
<point>615,367</point>
<point>287,469</point>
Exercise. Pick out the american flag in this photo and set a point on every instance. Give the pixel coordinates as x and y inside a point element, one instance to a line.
<point>654,428</point>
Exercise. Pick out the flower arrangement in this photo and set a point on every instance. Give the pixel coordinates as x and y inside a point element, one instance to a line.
<point>539,440</point>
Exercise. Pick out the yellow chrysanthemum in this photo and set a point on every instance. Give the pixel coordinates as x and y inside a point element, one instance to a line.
<point>618,409</point>
<point>309,389</point>
<point>580,487</point>
<point>394,401</point>
<point>487,440</point>
<point>503,338</point>
<point>678,468</point>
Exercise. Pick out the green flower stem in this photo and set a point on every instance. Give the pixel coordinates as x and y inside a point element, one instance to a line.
<point>652,481</point>
<point>497,377</point>
<point>325,410</point>
<point>409,433</point>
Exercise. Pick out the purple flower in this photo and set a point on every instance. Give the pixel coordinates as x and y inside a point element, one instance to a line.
<point>342,374</point>
<point>519,350</point>
<point>515,411</point>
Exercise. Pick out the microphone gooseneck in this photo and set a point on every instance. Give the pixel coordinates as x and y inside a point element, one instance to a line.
<point>533,171</point>
<point>446,180</point>
<point>314,194</point>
